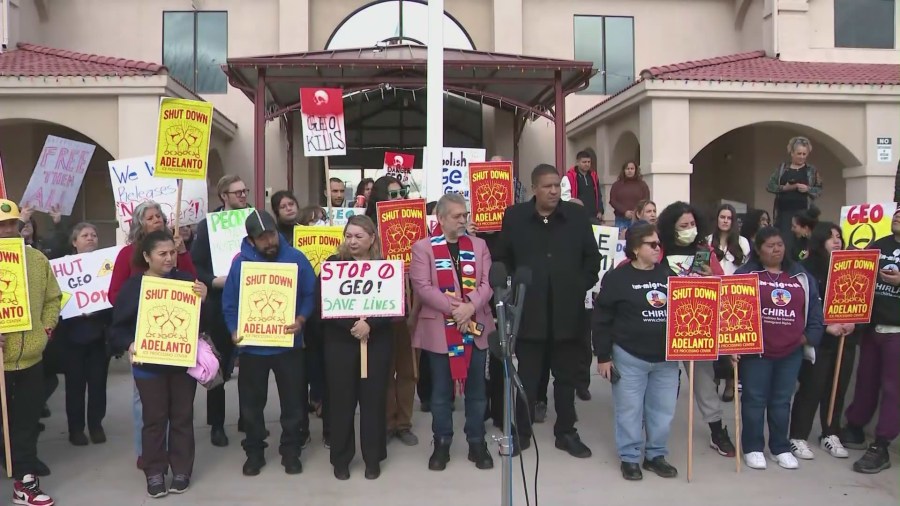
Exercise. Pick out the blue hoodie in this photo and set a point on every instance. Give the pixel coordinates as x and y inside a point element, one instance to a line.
<point>306,290</point>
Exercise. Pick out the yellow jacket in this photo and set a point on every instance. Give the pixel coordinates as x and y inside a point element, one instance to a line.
<point>25,349</point>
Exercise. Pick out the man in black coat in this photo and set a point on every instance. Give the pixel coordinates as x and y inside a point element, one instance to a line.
<point>554,239</point>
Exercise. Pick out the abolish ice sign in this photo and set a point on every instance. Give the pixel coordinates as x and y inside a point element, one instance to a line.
<point>322,110</point>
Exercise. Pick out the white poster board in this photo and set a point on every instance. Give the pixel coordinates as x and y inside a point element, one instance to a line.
<point>609,245</point>
<point>454,172</point>
<point>354,289</point>
<point>342,214</point>
<point>322,116</point>
<point>133,183</point>
<point>227,230</point>
<point>57,175</point>
<point>84,281</point>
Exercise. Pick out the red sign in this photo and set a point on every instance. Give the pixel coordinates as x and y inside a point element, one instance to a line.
<point>491,190</point>
<point>692,330</point>
<point>400,224</point>
<point>851,286</point>
<point>740,318</point>
<point>400,166</point>
<point>322,110</point>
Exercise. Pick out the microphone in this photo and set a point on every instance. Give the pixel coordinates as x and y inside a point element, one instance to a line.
<point>499,280</point>
<point>521,280</point>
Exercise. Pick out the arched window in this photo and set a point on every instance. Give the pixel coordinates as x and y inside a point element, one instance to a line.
<point>394,21</point>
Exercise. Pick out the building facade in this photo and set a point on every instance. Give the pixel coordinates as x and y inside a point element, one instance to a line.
<point>755,73</point>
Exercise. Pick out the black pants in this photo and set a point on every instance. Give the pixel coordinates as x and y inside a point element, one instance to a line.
<point>55,362</point>
<point>346,390</point>
<point>86,369</point>
<point>25,398</point>
<point>495,390</point>
<point>586,356</point>
<point>564,357</point>
<point>253,388</point>
<point>215,398</point>
<point>814,393</point>
<point>315,375</point>
<point>168,433</point>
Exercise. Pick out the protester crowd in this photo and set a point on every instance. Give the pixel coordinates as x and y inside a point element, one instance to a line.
<point>450,295</point>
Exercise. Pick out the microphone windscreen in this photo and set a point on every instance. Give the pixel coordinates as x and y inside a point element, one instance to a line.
<point>522,276</point>
<point>498,275</point>
<point>494,344</point>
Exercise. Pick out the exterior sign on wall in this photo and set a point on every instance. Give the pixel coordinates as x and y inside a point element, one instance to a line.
<point>884,150</point>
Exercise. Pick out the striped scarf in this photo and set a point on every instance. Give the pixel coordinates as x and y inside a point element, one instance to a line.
<point>459,345</point>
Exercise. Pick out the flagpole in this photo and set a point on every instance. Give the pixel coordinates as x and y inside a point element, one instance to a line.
<point>434,95</point>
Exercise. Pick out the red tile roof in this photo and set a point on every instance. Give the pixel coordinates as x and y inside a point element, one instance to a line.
<point>756,67</point>
<point>30,60</point>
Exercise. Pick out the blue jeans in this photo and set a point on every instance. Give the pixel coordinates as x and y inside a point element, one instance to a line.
<point>644,399</point>
<point>768,386</point>
<point>442,389</point>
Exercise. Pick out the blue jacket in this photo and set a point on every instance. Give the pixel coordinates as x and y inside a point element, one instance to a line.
<point>306,290</point>
<point>815,317</point>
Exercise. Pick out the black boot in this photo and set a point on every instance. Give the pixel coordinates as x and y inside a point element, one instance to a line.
<point>875,460</point>
<point>253,465</point>
<point>441,455</point>
<point>853,438</point>
<point>218,437</point>
<point>479,454</point>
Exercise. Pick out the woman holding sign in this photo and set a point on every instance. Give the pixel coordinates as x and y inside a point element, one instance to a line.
<point>791,317</point>
<point>345,389</point>
<point>817,377</point>
<point>87,362</point>
<point>166,391</point>
<point>629,331</point>
<point>687,253</point>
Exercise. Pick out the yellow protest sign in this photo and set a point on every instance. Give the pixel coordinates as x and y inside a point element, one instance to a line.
<point>318,243</point>
<point>182,138</point>
<point>864,224</point>
<point>168,323</point>
<point>268,303</point>
<point>15,311</point>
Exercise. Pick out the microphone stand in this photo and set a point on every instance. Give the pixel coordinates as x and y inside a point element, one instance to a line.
<point>509,403</point>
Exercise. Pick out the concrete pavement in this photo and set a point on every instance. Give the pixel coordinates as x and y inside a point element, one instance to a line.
<point>106,474</point>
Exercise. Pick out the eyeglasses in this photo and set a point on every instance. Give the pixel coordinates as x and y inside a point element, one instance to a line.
<point>239,193</point>
<point>402,192</point>
<point>653,244</point>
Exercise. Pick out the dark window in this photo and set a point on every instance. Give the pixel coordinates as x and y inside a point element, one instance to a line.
<point>864,23</point>
<point>608,41</point>
<point>195,44</point>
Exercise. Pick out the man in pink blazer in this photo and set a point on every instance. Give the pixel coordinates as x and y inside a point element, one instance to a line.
<point>449,275</point>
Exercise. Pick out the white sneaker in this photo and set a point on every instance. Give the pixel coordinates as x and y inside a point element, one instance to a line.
<point>833,445</point>
<point>786,460</point>
<point>755,460</point>
<point>801,450</point>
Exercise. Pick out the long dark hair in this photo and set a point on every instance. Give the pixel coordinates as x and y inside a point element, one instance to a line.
<point>732,237</point>
<point>146,245</point>
<point>276,202</point>
<point>819,257</point>
<point>379,194</point>
<point>750,226</point>
<point>361,187</point>
<point>669,216</point>
<point>808,218</point>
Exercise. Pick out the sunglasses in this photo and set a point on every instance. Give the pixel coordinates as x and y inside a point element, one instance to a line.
<point>402,192</point>
<point>653,244</point>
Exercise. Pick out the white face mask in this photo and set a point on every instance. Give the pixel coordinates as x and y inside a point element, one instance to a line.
<point>685,237</point>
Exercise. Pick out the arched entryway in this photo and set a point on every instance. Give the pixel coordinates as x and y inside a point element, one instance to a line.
<point>736,166</point>
<point>21,141</point>
<point>627,149</point>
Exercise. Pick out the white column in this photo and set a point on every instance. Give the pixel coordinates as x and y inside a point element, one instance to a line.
<point>874,180</point>
<point>666,149</point>
<point>435,97</point>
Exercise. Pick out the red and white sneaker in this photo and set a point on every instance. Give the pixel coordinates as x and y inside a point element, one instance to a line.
<point>27,492</point>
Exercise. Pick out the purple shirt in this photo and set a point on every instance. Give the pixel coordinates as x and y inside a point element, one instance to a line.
<point>783,301</point>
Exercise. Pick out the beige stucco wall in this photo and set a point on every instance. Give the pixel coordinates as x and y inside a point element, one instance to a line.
<point>666,31</point>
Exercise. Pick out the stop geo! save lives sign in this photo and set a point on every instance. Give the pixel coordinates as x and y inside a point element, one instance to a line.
<point>863,224</point>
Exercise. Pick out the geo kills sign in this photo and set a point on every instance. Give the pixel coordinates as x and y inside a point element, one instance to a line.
<point>322,110</point>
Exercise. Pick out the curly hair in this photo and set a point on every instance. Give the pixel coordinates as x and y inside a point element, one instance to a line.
<point>669,216</point>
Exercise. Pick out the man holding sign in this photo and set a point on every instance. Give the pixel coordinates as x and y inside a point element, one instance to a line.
<point>264,244</point>
<point>29,297</point>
